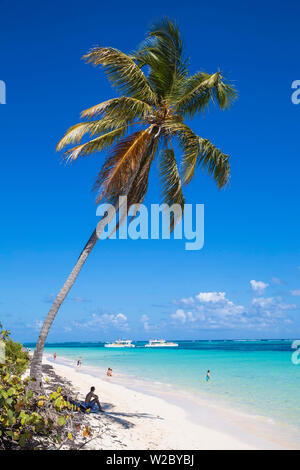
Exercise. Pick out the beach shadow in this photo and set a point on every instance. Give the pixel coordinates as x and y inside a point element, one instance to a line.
<point>109,414</point>
<point>120,418</point>
<point>55,380</point>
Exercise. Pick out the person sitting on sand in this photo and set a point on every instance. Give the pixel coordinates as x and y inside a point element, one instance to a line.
<point>92,399</point>
<point>109,372</point>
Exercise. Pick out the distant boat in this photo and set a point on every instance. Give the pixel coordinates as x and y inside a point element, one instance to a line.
<point>120,343</point>
<point>160,343</point>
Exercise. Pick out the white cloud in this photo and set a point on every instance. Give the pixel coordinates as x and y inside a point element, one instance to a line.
<point>295,292</point>
<point>263,301</point>
<point>120,317</point>
<point>179,315</point>
<point>188,301</point>
<point>271,307</point>
<point>191,317</point>
<point>258,286</point>
<point>145,321</point>
<point>150,326</point>
<point>208,310</point>
<point>213,297</point>
<point>213,310</point>
<point>36,325</point>
<point>218,304</point>
<point>118,321</point>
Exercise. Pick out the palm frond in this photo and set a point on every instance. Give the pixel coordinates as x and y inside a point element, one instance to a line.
<point>196,92</point>
<point>225,94</point>
<point>199,152</point>
<point>209,158</point>
<point>75,133</point>
<point>122,165</point>
<point>139,186</point>
<point>214,161</point>
<point>127,107</point>
<point>162,51</point>
<point>123,72</point>
<point>168,32</point>
<point>171,181</point>
<point>187,139</point>
<point>95,145</point>
<point>189,143</point>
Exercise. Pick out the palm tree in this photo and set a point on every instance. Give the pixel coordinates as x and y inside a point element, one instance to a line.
<point>157,93</point>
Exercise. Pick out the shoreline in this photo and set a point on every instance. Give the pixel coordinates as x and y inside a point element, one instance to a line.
<point>149,420</point>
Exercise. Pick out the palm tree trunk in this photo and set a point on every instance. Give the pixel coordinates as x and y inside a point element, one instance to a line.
<point>36,363</point>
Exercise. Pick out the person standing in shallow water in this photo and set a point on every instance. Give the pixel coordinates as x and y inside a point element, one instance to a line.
<point>79,362</point>
<point>54,356</point>
<point>208,376</point>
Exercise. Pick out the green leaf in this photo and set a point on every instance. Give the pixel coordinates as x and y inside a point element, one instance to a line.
<point>61,421</point>
<point>22,440</point>
<point>123,72</point>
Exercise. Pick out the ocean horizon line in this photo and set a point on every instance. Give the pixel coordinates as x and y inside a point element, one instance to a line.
<point>33,343</point>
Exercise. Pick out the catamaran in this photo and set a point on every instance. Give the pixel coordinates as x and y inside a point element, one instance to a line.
<point>120,343</point>
<point>160,343</point>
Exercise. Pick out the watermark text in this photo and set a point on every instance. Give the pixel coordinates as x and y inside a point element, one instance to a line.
<point>142,225</point>
<point>296,354</point>
<point>295,97</point>
<point>2,92</point>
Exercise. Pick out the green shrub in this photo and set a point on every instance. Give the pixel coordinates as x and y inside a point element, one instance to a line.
<point>29,420</point>
<point>16,357</point>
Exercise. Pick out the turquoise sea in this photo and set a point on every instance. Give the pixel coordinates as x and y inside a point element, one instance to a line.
<point>257,377</point>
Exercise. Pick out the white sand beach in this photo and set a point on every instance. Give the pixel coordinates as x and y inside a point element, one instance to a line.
<point>135,420</point>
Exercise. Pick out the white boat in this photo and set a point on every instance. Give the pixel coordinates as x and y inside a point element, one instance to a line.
<point>120,343</point>
<point>160,343</point>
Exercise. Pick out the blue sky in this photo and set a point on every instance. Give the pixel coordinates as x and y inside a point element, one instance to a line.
<point>140,289</point>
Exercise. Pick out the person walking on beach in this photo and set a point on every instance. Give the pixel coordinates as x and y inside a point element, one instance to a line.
<point>208,376</point>
<point>79,362</point>
<point>92,399</point>
<point>54,356</point>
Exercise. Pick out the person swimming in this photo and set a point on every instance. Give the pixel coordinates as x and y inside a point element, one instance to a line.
<point>208,376</point>
<point>109,372</point>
